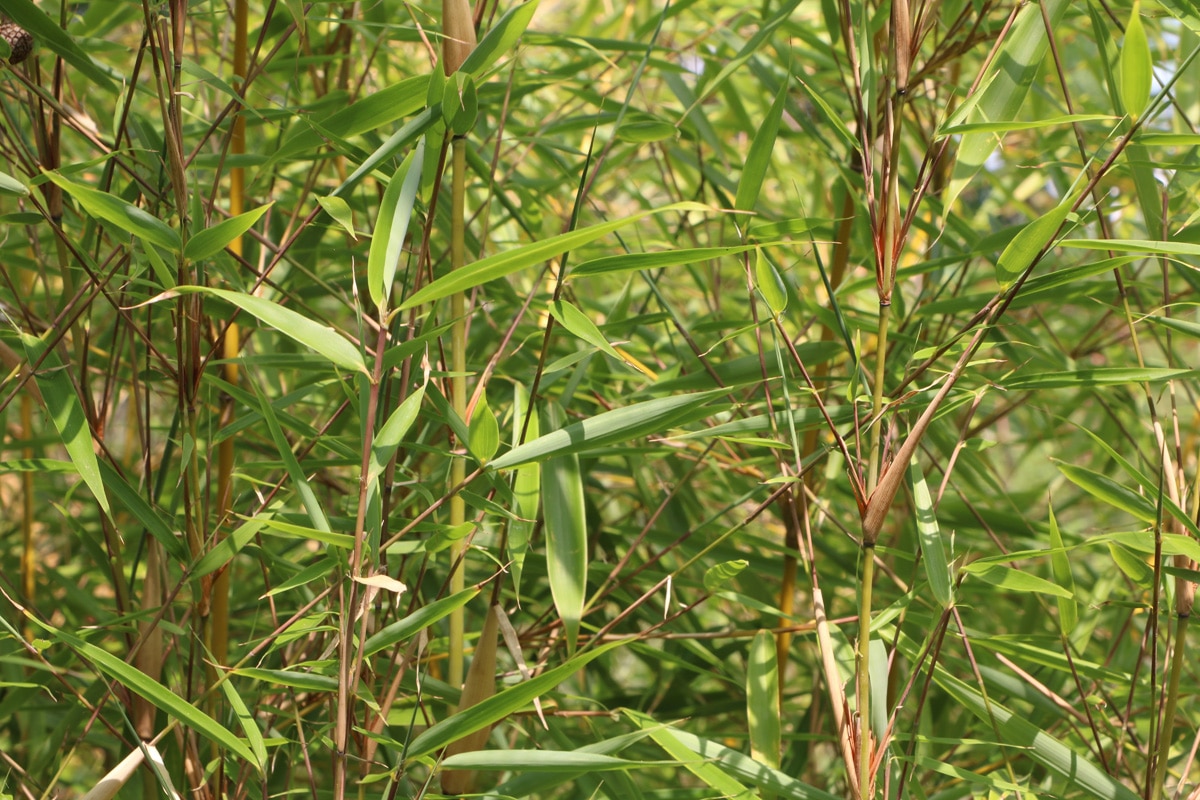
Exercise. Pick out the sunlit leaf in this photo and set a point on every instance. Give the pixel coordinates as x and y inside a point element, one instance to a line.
<point>210,241</point>
<point>66,412</point>
<point>112,209</point>
<point>566,536</point>
<point>510,261</point>
<point>1136,66</point>
<point>762,700</point>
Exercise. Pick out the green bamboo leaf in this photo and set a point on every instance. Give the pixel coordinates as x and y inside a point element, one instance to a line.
<point>368,114</point>
<point>1135,568</point>
<point>1013,579</point>
<point>144,513</point>
<point>759,157</point>
<point>292,531</point>
<point>762,700</point>
<point>500,38</point>
<point>210,241</point>
<point>1173,544</point>
<point>1030,241</point>
<point>1100,376</point>
<point>246,721</point>
<point>12,187</point>
<point>166,276</point>
<point>224,550</point>
<point>1150,486</point>
<point>1159,139</point>
<point>929,535</point>
<point>498,706</point>
<point>711,774</point>
<point>112,209</point>
<point>611,427</point>
<point>1104,488</point>
<point>1043,748</point>
<point>404,629</point>
<point>830,116</point>
<point>66,412</point>
<point>527,487</point>
<point>1060,563</point>
<point>393,432</point>
<point>644,131</point>
<point>631,262</point>
<point>391,226</point>
<point>483,432</point>
<point>341,212</point>
<point>48,32</point>
<point>460,103</point>
<point>522,761</point>
<point>293,678</point>
<point>770,283</point>
<point>1147,246</point>
<point>1014,125</point>
<point>141,684</point>
<point>716,576</point>
<point>296,473</point>
<point>1003,92</point>
<point>578,323</point>
<point>566,535</point>
<point>1183,326</point>
<point>540,784</point>
<point>739,765</point>
<point>319,570</point>
<point>1136,66</point>
<point>407,136</point>
<point>321,338</point>
<point>753,46</point>
<point>502,264</point>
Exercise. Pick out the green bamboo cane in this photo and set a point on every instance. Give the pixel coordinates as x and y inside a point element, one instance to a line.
<point>457,43</point>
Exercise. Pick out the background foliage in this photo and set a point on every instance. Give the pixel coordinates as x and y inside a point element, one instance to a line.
<point>755,382</point>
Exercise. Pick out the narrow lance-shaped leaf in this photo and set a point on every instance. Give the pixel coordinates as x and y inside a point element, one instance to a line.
<point>1136,65</point>
<point>483,432</point>
<point>66,412</point>
<point>499,706</point>
<point>299,478</point>
<point>566,536</point>
<point>575,321</point>
<point>762,699</point>
<point>1031,240</point>
<point>933,554</point>
<point>320,338</point>
<point>391,226</point>
<point>246,721</point>
<point>506,263</point>
<point>522,761</point>
<point>527,487</point>
<point>1014,580</point>
<point>1105,488</point>
<point>112,209</point>
<point>759,157</point>
<point>730,762</point>
<point>1013,71</point>
<point>139,683</point>
<point>393,431</point>
<point>611,427</point>
<point>422,618</point>
<point>1043,748</point>
<point>1060,562</point>
<point>210,241</point>
<point>770,283</point>
<point>630,262</point>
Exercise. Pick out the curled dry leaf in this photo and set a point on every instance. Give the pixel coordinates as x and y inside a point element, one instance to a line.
<point>385,582</point>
